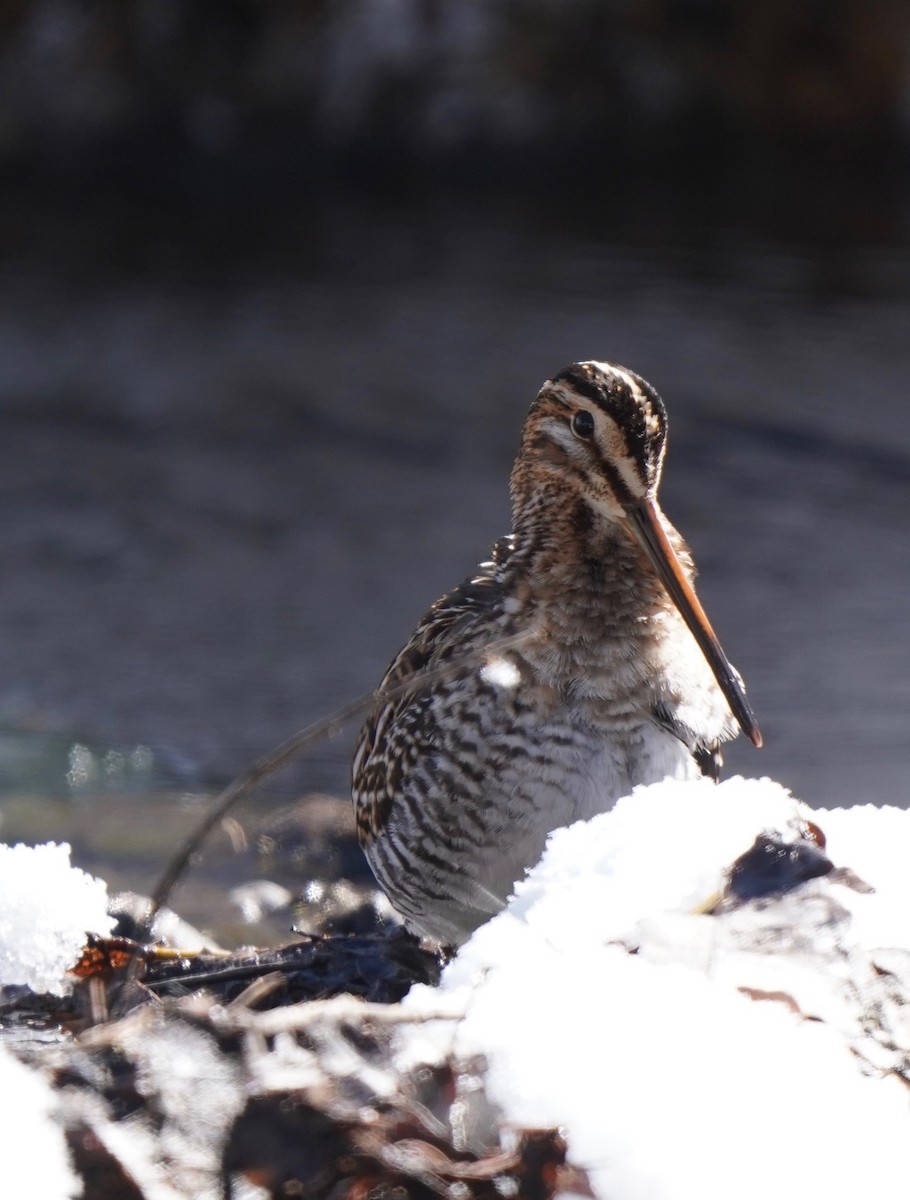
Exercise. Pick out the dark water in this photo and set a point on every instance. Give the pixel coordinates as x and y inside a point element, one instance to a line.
<point>230,484</point>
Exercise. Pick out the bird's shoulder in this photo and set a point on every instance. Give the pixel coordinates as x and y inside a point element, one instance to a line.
<point>444,632</point>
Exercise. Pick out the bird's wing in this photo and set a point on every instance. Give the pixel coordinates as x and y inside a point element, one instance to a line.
<point>440,647</point>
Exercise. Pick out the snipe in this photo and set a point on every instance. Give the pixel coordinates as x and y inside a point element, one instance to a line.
<point>573,666</point>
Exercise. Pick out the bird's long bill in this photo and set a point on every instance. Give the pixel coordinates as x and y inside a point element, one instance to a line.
<point>647,526</point>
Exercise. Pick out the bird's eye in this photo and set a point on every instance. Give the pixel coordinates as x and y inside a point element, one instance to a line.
<point>583,425</point>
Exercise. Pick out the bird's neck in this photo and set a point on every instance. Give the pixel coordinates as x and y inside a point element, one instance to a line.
<point>582,579</point>
<point>600,626</point>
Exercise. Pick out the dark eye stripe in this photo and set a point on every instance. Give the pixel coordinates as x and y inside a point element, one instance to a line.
<point>618,485</point>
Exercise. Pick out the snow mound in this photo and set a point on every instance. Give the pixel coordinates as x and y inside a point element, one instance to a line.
<point>47,907</point>
<point>670,1038</point>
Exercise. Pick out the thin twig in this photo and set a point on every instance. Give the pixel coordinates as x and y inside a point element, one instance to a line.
<point>338,1009</point>
<point>247,782</point>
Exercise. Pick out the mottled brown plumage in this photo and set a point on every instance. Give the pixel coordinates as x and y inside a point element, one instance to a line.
<point>574,665</point>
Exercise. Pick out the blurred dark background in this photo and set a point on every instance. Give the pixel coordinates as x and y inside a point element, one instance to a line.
<point>278,281</point>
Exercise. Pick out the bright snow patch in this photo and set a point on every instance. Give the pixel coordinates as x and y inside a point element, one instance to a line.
<point>35,1157</point>
<point>670,1078</point>
<point>46,908</point>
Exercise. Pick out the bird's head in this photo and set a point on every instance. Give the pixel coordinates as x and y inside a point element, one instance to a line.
<point>595,437</point>
<point>600,432</point>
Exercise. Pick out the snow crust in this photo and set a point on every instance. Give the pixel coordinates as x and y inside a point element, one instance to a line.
<point>47,906</point>
<point>671,1081</point>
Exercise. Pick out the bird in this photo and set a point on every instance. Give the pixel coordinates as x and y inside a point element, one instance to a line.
<point>574,665</point>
